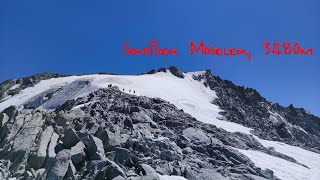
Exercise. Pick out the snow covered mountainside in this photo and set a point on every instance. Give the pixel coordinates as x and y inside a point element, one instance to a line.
<point>162,125</point>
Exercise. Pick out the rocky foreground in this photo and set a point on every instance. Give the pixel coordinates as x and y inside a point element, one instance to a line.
<point>112,135</point>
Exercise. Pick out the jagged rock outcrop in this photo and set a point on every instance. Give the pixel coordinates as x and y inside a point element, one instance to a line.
<point>173,69</point>
<point>176,72</point>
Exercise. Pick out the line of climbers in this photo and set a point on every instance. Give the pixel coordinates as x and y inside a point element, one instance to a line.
<point>110,85</point>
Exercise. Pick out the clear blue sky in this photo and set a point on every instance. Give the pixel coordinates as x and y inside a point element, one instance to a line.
<point>81,36</point>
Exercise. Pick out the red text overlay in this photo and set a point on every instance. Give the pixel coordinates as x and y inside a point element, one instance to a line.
<point>275,48</point>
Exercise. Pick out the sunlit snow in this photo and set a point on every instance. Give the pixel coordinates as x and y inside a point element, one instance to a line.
<point>165,177</point>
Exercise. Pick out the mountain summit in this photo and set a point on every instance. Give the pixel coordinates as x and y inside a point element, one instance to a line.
<point>162,125</point>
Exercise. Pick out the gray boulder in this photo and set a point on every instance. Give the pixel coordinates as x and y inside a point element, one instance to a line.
<point>122,155</point>
<point>109,139</point>
<point>70,138</point>
<point>25,137</point>
<point>94,146</point>
<point>78,155</point>
<point>146,172</point>
<point>204,174</point>
<point>106,169</point>
<point>37,159</point>
<point>196,136</point>
<point>60,166</point>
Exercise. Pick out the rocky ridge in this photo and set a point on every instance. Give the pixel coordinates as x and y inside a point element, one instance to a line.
<point>270,121</point>
<point>13,87</point>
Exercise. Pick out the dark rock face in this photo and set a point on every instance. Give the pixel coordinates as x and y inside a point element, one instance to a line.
<point>5,87</point>
<point>121,136</point>
<point>151,71</point>
<point>70,138</point>
<point>10,111</point>
<point>173,69</point>
<point>162,70</point>
<point>176,72</point>
<point>269,121</point>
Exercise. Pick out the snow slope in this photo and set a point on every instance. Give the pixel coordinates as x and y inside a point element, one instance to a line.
<point>311,159</point>
<point>187,94</point>
<point>165,177</point>
<point>194,98</point>
<point>39,88</point>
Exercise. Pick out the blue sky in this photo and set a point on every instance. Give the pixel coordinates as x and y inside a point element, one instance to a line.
<point>80,36</point>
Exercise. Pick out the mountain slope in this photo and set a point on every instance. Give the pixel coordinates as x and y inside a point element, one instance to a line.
<point>269,121</point>
<point>217,120</point>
